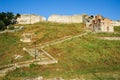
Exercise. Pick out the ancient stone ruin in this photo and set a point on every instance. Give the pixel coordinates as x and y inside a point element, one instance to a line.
<point>99,24</point>
<point>30,19</point>
<point>26,37</point>
<point>66,19</point>
<point>94,23</point>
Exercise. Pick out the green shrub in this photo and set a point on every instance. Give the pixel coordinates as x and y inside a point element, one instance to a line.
<point>11,27</point>
<point>32,65</point>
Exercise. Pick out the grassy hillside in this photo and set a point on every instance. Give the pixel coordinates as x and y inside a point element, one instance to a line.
<point>85,57</point>
<point>106,34</point>
<point>10,44</point>
<point>117,28</point>
<point>9,47</point>
<point>47,31</point>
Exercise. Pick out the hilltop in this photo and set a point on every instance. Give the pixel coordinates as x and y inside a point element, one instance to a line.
<point>82,57</point>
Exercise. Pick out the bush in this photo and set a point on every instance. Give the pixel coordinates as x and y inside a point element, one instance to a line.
<point>11,27</point>
<point>32,65</point>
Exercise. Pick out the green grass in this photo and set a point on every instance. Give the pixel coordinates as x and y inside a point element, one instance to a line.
<point>106,34</point>
<point>117,29</point>
<point>10,46</point>
<point>48,31</point>
<point>85,56</point>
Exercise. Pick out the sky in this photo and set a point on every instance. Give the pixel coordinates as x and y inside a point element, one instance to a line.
<point>107,8</point>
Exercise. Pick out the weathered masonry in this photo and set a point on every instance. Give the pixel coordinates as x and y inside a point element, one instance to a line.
<point>30,19</point>
<point>99,24</point>
<point>66,19</point>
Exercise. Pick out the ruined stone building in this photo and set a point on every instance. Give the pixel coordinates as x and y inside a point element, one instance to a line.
<point>66,19</point>
<point>30,19</point>
<point>99,24</point>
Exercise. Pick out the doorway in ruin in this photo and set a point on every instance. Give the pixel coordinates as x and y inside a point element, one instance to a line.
<point>107,28</point>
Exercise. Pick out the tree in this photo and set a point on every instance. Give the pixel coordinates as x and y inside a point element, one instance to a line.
<point>7,19</point>
<point>17,15</point>
<point>2,25</point>
<point>2,15</point>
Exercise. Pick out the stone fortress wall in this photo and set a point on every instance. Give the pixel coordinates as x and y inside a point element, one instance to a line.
<point>30,19</point>
<point>66,18</point>
<point>33,18</point>
<point>95,23</point>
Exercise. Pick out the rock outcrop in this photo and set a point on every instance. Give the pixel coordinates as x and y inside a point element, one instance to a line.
<point>30,19</point>
<point>66,19</point>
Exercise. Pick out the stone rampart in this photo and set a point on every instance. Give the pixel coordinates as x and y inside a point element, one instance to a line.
<point>30,19</point>
<point>66,19</point>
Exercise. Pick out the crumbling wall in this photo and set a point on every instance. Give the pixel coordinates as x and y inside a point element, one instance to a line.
<point>66,19</point>
<point>99,24</point>
<point>30,19</point>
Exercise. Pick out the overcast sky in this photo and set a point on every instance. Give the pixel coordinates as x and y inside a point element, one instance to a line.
<point>107,8</point>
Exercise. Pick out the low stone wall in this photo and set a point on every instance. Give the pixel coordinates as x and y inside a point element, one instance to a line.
<point>110,38</point>
<point>54,78</point>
